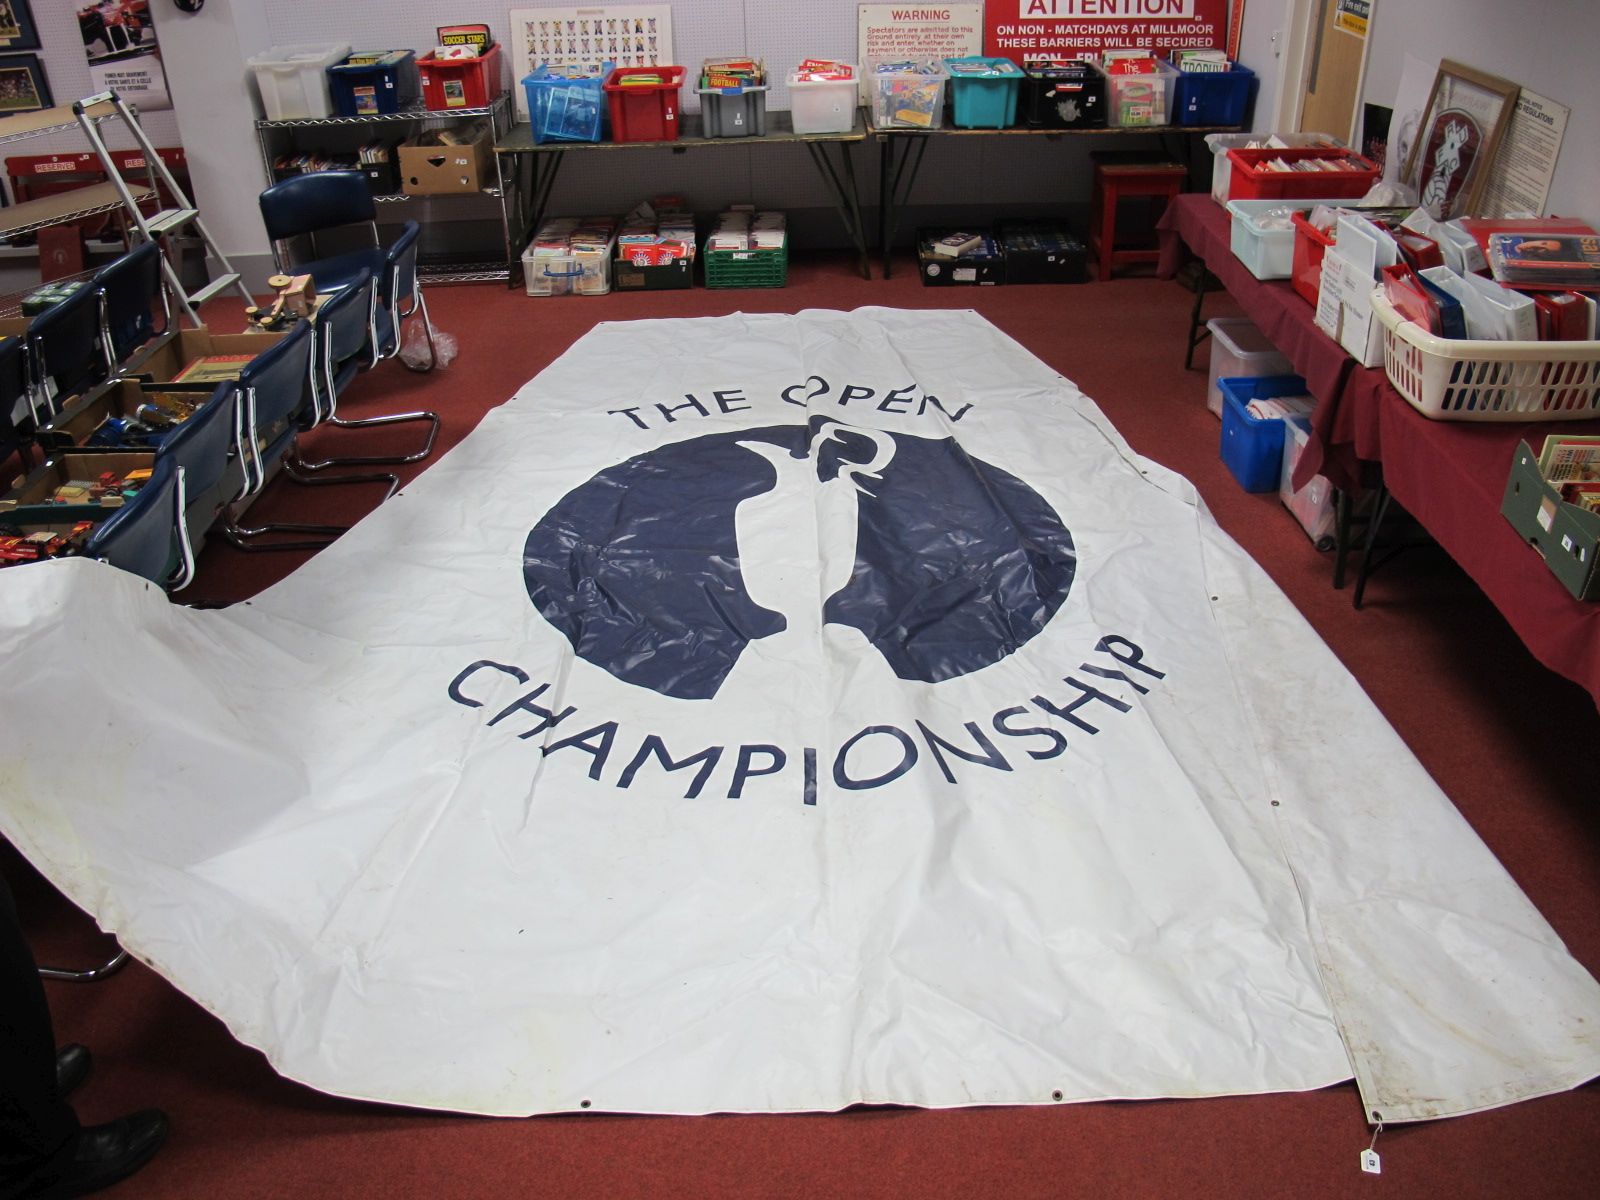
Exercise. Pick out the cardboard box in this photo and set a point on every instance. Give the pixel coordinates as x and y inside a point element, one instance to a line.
<point>28,502</point>
<point>445,170</point>
<point>82,417</point>
<point>1566,536</point>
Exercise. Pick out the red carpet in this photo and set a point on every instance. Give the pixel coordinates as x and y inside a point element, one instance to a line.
<point>1512,744</point>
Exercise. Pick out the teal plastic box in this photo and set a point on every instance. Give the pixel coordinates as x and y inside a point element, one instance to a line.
<point>980,97</point>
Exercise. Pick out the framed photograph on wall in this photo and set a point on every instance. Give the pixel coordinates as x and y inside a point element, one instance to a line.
<point>23,86</point>
<point>17,30</point>
<point>1465,118</point>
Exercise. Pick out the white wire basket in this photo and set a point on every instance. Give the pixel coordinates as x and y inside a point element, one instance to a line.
<point>1451,380</point>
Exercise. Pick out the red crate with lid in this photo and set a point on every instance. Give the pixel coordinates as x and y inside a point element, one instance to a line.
<point>644,112</point>
<point>452,83</point>
<point>1248,179</point>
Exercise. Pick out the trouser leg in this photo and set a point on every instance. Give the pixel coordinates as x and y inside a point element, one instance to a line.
<point>36,1125</point>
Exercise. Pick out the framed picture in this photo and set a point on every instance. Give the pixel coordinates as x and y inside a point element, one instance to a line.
<point>23,87</point>
<point>17,30</point>
<point>1450,160</point>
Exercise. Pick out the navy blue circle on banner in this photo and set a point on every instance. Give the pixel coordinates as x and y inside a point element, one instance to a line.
<point>957,562</point>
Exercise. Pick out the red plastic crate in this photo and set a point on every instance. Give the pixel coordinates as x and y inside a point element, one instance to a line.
<point>460,83</point>
<point>644,112</point>
<point>1310,244</point>
<point>1247,181</point>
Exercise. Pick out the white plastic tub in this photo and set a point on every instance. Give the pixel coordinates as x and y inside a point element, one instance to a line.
<point>1240,350</point>
<point>823,105</point>
<point>1267,252</point>
<point>293,80</point>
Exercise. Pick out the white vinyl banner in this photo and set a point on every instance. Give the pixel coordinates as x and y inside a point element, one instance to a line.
<point>774,713</point>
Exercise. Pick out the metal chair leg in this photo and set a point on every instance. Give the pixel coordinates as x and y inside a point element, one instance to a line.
<point>373,460</point>
<point>241,536</point>
<point>110,967</point>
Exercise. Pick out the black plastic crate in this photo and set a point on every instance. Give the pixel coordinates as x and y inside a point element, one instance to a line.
<point>980,268</point>
<point>1064,97</point>
<point>1042,251</point>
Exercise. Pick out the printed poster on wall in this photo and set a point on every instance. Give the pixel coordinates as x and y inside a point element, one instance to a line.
<point>119,40</point>
<point>585,39</point>
<point>892,32</point>
<point>1019,29</point>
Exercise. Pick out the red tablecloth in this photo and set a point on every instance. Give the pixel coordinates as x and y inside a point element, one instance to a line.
<point>1450,475</point>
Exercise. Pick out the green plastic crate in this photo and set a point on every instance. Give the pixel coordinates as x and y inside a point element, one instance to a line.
<point>747,268</point>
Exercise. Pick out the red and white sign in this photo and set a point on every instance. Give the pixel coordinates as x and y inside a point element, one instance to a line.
<point>1020,29</point>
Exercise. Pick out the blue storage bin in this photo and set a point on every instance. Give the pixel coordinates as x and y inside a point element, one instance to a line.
<point>1252,449</point>
<point>1214,97</point>
<point>371,89</point>
<point>563,109</point>
<point>984,101</point>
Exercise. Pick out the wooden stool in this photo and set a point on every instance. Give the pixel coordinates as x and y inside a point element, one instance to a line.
<point>1122,176</point>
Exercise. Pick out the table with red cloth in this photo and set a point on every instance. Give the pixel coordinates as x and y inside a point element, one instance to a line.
<point>1449,475</point>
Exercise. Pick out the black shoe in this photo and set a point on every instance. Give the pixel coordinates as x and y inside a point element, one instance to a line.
<point>106,1153</point>
<point>72,1068</point>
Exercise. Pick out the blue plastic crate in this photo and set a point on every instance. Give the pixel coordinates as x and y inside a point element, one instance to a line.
<point>561,109</point>
<point>1214,97</point>
<point>371,89</point>
<point>1252,449</point>
<point>984,101</point>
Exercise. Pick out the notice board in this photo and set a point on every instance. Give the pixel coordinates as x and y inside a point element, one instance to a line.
<point>1019,29</point>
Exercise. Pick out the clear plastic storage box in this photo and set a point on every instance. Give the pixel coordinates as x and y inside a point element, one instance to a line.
<point>293,80</point>
<point>1240,351</point>
<point>907,99</point>
<point>1313,505</point>
<point>563,108</point>
<point>823,105</point>
<point>1134,101</point>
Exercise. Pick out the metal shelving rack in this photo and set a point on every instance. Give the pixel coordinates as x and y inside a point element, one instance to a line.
<point>273,137</point>
<point>29,216</point>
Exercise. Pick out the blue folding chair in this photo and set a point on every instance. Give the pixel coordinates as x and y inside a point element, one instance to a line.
<point>400,296</point>
<point>275,401</point>
<point>64,353</point>
<point>347,344</point>
<point>132,293</point>
<point>149,535</point>
<point>304,213</point>
<point>14,398</point>
<point>207,447</point>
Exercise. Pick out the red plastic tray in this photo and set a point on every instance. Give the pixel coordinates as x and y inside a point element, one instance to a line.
<point>1310,244</point>
<point>449,84</point>
<point>1247,181</point>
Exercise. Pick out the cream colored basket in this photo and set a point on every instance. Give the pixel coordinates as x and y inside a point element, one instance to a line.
<point>1450,380</point>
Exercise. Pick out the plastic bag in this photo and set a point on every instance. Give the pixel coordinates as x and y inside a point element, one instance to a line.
<point>414,350</point>
<point>1387,194</point>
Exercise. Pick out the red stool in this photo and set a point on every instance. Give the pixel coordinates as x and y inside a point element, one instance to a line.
<point>1124,176</point>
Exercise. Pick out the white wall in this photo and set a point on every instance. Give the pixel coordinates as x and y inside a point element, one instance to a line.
<point>1550,46</point>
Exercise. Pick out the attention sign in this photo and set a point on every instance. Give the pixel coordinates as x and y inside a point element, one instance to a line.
<point>1020,29</point>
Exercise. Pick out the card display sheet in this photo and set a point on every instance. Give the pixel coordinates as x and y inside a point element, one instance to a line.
<point>842,713</point>
<point>625,35</point>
